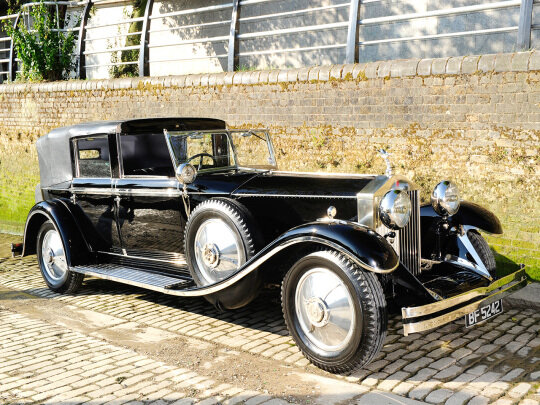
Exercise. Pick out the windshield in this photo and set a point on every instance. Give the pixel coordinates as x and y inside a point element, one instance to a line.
<point>210,150</point>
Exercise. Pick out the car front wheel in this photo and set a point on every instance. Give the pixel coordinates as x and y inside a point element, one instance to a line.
<point>335,311</point>
<point>484,252</point>
<point>52,261</point>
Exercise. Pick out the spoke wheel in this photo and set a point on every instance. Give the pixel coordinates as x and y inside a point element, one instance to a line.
<point>52,261</point>
<point>335,312</point>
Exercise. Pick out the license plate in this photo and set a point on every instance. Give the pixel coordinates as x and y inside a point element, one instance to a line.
<point>483,313</point>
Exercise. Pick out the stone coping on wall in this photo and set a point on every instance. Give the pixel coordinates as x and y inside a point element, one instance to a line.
<point>502,62</point>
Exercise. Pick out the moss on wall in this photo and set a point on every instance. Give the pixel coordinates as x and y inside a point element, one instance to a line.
<point>480,130</point>
<point>19,175</point>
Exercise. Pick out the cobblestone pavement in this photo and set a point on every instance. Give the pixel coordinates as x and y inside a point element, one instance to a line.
<point>496,362</point>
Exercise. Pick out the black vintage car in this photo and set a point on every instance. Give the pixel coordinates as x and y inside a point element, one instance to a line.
<point>187,207</point>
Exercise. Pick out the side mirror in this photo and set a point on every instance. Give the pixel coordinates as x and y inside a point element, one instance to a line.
<point>186,173</point>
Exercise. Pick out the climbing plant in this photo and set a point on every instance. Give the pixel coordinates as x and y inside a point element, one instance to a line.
<point>45,53</point>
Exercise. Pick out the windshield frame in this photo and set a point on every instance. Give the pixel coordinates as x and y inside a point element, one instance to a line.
<point>237,165</point>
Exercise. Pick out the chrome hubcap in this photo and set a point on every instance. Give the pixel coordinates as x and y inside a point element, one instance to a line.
<point>325,310</point>
<point>317,312</point>
<point>211,255</point>
<point>218,250</point>
<point>53,256</point>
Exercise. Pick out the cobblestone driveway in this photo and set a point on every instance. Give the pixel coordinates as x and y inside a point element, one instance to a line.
<point>497,362</point>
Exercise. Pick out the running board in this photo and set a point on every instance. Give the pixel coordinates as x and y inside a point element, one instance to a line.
<point>166,283</point>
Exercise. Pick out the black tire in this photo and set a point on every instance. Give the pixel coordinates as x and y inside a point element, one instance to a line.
<point>367,333</point>
<point>483,250</point>
<point>68,282</point>
<point>239,225</point>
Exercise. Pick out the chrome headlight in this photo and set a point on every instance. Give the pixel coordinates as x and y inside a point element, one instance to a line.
<point>186,173</point>
<point>395,209</point>
<point>445,198</point>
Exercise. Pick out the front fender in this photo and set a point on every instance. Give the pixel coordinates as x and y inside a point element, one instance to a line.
<point>469,214</point>
<point>456,247</point>
<point>56,211</point>
<point>361,244</point>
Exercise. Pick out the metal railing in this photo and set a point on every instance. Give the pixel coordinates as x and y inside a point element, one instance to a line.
<point>224,35</point>
<point>6,49</point>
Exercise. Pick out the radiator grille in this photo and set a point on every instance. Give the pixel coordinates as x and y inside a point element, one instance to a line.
<point>409,237</point>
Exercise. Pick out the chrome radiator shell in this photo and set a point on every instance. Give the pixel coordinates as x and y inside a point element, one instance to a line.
<point>406,243</point>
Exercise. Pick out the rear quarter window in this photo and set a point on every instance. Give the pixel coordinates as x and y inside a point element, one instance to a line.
<point>93,159</point>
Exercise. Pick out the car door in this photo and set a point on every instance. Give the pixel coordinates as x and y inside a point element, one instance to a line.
<point>92,190</point>
<point>150,212</point>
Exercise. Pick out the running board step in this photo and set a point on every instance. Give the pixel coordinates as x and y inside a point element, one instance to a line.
<point>136,277</point>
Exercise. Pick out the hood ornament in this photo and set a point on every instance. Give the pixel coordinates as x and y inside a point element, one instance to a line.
<point>386,156</point>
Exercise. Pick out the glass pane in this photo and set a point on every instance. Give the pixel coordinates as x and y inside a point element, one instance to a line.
<point>203,150</point>
<point>253,149</point>
<point>94,160</point>
<point>145,155</point>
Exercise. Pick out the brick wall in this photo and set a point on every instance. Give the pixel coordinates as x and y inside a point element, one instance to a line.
<point>475,120</point>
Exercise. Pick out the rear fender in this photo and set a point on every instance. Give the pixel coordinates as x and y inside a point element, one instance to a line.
<point>56,211</point>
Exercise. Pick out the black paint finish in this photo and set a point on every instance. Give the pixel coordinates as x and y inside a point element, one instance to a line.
<point>56,211</point>
<point>298,185</point>
<point>365,244</point>
<point>94,197</point>
<point>469,214</point>
<point>150,215</point>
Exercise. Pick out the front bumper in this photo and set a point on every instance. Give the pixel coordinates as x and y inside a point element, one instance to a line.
<point>419,319</point>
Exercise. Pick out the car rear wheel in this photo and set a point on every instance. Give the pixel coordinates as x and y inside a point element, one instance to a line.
<point>335,311</point>
<point>52,261</point>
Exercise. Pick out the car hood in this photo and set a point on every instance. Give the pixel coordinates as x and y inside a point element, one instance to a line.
<point>293,184</point>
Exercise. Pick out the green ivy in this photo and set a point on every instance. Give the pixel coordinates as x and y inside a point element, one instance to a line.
<point>44,53</point>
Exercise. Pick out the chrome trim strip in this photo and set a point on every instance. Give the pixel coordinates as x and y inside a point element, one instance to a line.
<point>293,195</point>
<point>322,174</point>
<point>248,268</point>
<point>127,256</point>
<point>421,326</point>
<point>170,192</point>
<point>92,190</point>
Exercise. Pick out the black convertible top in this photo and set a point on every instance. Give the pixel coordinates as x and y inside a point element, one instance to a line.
<point>54,152</point>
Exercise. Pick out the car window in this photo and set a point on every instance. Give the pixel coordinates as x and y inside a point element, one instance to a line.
<point>203,150</point>
<point>93,158</point>
<point>145,155</point>
<point>252,148</point>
